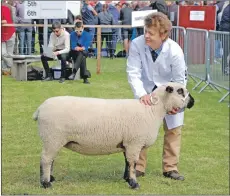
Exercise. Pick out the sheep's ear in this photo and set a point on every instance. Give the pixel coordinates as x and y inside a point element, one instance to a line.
<point>169,89</point>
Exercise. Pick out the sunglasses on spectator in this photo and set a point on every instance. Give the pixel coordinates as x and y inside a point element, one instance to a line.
<point>78,31</point>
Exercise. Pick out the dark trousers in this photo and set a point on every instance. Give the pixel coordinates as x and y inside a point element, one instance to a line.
<point>79,61</point>
<point>33,40</point>
<point>225,45</point>
<point>108,38</point>
<point>114,39</point>
<point>62,57</point>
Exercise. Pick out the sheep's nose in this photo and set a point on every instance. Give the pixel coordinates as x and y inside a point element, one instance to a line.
<point>191,102</point>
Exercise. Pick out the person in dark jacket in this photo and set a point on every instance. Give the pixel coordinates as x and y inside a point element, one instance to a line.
<point>98,7</point>
<point>144,5</point>
<point>126,18</point>
<point>88,17</point>
<point>160,6</point>
<point>112,9</point>
<point>225,26</point>
<point>219,8</point>
<point>105,18</point>
<point>79,42</point>
<point>225,19</point>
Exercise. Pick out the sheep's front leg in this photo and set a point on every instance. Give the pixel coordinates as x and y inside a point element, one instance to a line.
<point>132,155</point>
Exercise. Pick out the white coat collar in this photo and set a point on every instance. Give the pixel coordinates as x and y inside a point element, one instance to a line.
<point>163,51</point>
<point>164,48</point>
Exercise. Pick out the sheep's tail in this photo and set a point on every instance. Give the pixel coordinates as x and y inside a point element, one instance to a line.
<point>35,115</point>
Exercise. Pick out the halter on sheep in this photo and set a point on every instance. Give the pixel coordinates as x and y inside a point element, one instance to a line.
<point>104,126</point>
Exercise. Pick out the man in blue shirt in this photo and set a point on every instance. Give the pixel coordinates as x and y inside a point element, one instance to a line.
<point>79,42</point>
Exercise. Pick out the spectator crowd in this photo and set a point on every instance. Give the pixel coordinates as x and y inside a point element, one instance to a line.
<point>21,39</point>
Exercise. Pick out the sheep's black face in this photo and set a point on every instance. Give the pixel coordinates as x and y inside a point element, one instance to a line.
<point>177,96</point>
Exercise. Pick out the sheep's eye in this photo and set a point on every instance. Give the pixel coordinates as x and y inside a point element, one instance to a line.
<point>181,92</point>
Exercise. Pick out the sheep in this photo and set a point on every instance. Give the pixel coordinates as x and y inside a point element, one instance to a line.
<point>93,126</point>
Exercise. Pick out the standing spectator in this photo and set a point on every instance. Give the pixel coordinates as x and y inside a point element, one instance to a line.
<point>60,44</point>
<point>80,41</point>
<point>115,31</point>
<point>105,18</point>
<point>135,5</point>
<point>225,26</point>
<point>126,18</point>
<point>13,6</point>
<point>25,33</point>
<point>144,5</point>
<point>8,37</point>
<point>160,6</point>
<point>69,21</point>
<point>98,7</point>
<point>118,6</point>
<point>33,38</point>
<point>172,13</point>
<point>219,11</point>
<point>88,16</point>
<point>225,18</point>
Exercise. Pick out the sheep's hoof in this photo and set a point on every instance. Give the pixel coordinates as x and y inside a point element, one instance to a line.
<point>52,179</point>
<point>133,184</point>
<point>46,184</point>
<point>126,178</point>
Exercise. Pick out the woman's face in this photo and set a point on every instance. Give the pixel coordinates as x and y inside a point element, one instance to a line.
<point>153,38</point>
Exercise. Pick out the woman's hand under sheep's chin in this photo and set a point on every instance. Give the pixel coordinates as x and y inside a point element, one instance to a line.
<point>174,111</point>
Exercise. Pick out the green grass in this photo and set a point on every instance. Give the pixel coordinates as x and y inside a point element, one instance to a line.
<point>204,156</point>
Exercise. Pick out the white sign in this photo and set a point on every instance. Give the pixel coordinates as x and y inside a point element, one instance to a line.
<point>139,16</point>
<point>45,9</point>
<point>74,7</point>
<point>172,16</point>
<point>197,15</point>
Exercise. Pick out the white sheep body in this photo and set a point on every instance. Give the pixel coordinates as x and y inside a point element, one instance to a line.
<point>94,126</point>
<point>97,126</point>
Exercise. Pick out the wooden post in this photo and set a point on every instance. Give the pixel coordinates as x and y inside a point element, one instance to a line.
<point>98,50</point>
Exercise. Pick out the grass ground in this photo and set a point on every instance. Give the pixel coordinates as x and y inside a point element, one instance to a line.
<point>204,156</point>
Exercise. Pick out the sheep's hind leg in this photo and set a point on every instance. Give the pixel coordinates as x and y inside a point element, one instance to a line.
<point>132,155</point>
<point>126,173</point>
<point>46,165</point>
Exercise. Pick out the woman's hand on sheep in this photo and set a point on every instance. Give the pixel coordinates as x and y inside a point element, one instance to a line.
<point>146,100</point>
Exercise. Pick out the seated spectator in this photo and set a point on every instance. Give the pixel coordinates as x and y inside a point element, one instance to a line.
<point>60,43</point>
<point>80,41</point>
